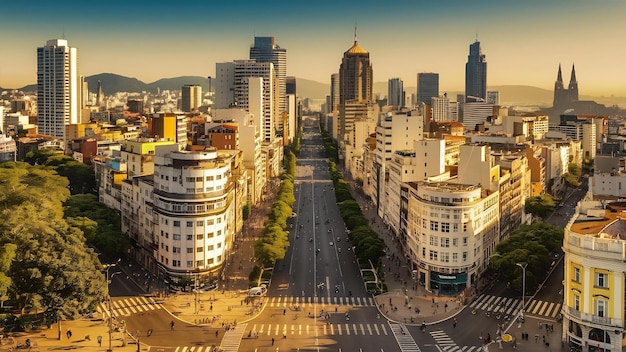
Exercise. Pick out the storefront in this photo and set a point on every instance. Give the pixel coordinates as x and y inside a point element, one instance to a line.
<point>448,284</point>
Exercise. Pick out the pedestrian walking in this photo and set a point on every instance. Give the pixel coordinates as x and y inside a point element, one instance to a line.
<point>217,332</point>
<point>99,341</point>
<point>69,334</point>
<point>273,341</point>
<point>172,325</point>
<point>454,322</point>
<point>149,332</point>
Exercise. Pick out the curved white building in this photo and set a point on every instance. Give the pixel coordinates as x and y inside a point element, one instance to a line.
<point>448,223</point>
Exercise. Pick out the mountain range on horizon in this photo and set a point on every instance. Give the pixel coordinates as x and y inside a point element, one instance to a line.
<point>509,94</point>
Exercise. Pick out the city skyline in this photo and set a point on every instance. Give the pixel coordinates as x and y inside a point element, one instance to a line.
<point>524,42</point>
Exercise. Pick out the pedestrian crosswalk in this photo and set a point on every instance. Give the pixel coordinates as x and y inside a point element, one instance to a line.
<point>320,329</point>
<point>405,340</point>
<point>510,306</point>
<point>305,302</point>
<point>232,338</point>
<point>446,344</point>
<point>128,306</point>
<point>195,349</point>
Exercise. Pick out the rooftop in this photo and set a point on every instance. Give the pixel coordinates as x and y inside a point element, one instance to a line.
<point>602,223</point>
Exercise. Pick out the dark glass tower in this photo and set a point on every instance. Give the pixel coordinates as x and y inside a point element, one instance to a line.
<point>476,73</point>
<point>427,87</point>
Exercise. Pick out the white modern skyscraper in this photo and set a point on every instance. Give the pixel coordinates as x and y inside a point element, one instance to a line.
<point>233,89</point>
<point>58,85</point>
<point>440,108</point>
<point>265,49</point>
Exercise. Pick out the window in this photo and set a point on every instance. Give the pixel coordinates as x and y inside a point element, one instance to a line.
<point>174,178</point>
<point>445,227</point>
<point>176,249</point>
<point>199,263</point>
<point>209,178</point>
<point>425,224</point>
<point>445,242</point>
<point>189,223</point>
<point>189,263</point>
<point>464,227</point>
<point>190,179</point>
<point>445,257</point>
<point>200,223</point>
<point>577,302</point>
<point>176,236</point>
<point>199,236</point>
<point>576,274</point>
<point>210,261</point>
<point>219,232</point>
<point>455,257</point>
<point>210,247</point>
<point>423,252</point>
<point>175,262</point>
<point>600,307</point>
<point>601,280</point>
<point>464,241</point>
<point>199,249</point>
<point>434,240</point>
<point>189,250</point>
<point>455,242</point>
<point>199,179</point>
<point>464,256</point>
<point>434,226</point>
<point>189,237</point>
<point>209,222</point>
<point>455,227</point>
<point>176,223</point>
<point>434,255</point>
<point>167,235</point>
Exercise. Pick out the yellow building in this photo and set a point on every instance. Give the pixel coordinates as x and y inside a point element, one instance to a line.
<point>595,263</point>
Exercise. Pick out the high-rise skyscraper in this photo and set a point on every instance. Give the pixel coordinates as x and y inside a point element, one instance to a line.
<point>395,92</point>
<point>427,87</point>
<point>191,97</point>
<point>265,49</point>
<point>355,75</point>
<point>334,92</point>
<point>58,88</point>
<point>476,72</point>
<point>563,97</point>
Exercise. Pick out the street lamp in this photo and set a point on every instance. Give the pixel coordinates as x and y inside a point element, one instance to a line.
<point>523,285</point>
<point>109,277</point>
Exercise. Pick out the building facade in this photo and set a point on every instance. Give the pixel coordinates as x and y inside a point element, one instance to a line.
<point>58,88</point>
<point>190,98</point>
<point>427,87</point>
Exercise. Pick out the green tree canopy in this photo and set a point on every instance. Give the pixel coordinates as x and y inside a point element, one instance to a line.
<point>45,261</point>
<point>540,206</point>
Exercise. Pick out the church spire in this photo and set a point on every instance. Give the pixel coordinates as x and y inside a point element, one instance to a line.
<point>355,41</point>
<point>559,77</point>
<point>573,78</point>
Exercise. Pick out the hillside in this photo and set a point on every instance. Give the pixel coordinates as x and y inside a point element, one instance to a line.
<point>509,94</point>
<point>112,83</point>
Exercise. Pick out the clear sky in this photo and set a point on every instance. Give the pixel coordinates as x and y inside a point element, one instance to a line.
<point>524,41</point>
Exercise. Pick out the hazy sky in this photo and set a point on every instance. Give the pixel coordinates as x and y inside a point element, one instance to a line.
<point>524,41</point>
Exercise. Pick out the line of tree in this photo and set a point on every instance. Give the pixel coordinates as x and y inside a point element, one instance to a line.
<point>531,245</point>
<point>368,246</point>
<point>46,266</point>
<point>274,240</point>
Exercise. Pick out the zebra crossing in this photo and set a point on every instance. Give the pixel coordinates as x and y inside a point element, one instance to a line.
<point>446,344</point>
<point>232,338</point>
<point>194,349</point>
<point>511,306</point>
<point>404,339</point>
<point>305,302</point>
<point>128,306</point>
<point>325,329</point>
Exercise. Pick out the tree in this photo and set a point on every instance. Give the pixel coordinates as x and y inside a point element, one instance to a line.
<point>540,206</point>
<point>529,244</point>
<point>45,264</point>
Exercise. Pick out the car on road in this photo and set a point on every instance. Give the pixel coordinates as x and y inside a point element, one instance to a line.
<point>331,243</point>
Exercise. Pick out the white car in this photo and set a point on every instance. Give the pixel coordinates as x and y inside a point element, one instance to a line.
<point>331,243</point>
<point>293,215</point>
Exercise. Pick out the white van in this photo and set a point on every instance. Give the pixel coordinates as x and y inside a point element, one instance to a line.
<point>256,292</point>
